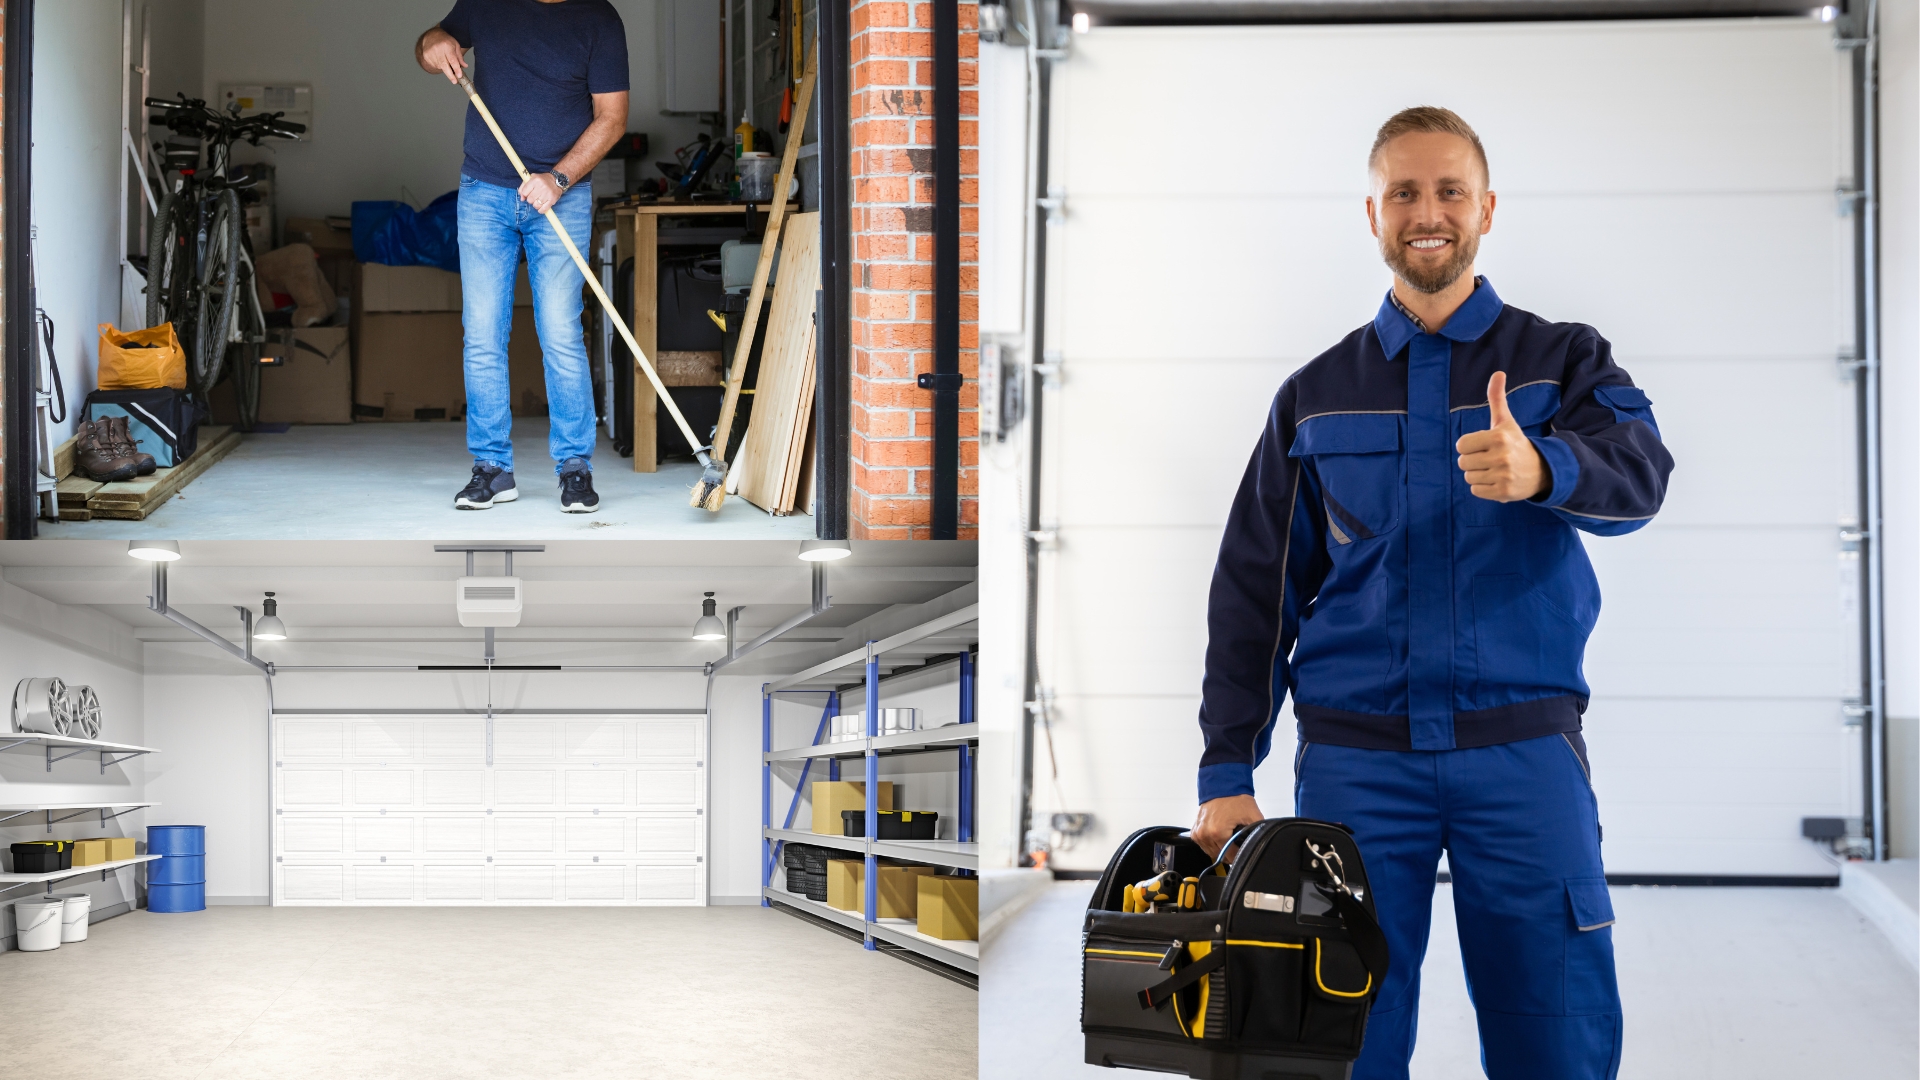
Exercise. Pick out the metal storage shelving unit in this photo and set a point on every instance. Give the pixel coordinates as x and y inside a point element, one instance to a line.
<point>953,632</point>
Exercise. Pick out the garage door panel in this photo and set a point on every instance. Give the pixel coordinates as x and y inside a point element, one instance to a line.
<point>525,788</point>
<point>454,882</point>
<point>386,740</point>
<point>454,834</point>
<point>463,741</point>
<point>600,740</point>
<point>313,788</point>
<point>663,837</point>
<point>590,882</point>
<point>666,883</point>
<point>1774,112</point>
<point>596,834</point>
<point>378,882</point>
<point>312,740</point>
<point>384,835</point>
<point>383,787</point>
<point>526,740</point>
<point>304,835</point>
<point>1106,652</point>
<point>448,788</point>
<point>526,882</point>
<point>668,737</point>
<point>513,833</point>
<point>666,786</point>
<point>596,787</point>
<point>313,882</point>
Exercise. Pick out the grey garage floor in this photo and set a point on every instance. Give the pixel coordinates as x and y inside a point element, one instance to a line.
<point>397,482</point>
<point>1719,984</point>
<point>475,993</point>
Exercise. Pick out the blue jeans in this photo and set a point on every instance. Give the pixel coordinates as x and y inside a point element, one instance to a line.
<point>495,223</point>
<point>1521,830</point>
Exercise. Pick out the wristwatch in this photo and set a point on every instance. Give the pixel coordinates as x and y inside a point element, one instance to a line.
<point>560,178</point>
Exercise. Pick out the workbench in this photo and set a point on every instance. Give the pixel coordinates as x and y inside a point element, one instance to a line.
<point>637,237</point>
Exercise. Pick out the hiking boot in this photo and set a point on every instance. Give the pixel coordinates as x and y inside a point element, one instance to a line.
<point>98,457</point>
<point>576,488</point>
<point>122,437</point>
<point>490,484</point>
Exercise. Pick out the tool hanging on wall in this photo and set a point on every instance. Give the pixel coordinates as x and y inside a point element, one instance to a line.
<point>715,473</point>
<point>711,492</point>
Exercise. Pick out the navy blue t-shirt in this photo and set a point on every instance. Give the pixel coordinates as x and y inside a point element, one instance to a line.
<point>537,66</point>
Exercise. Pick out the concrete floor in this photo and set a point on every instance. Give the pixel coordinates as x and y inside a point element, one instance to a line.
<point>397,482</point>
<point>474,993</point>
<point>1719,984</point>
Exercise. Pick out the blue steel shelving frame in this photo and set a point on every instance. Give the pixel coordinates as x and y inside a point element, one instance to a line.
<point>965,734</point>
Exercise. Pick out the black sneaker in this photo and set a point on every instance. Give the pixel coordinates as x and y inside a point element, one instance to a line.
<point>488,486</point>
<point>576,490</point>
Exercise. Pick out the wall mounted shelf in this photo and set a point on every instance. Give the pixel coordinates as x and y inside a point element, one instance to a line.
<point>111,753</point>
<point>14,811</point>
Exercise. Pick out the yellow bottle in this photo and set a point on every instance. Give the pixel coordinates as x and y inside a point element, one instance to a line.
<point>742,138</point>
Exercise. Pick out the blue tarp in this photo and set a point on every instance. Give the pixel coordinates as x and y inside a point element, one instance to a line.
<point>396,234</point>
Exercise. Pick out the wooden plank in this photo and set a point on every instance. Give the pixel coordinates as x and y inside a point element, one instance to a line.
<point>780,404</point>
<point>75,490</point>
<point>63,459</point>
<point>743,351</point>
<point>133,500</point>
<point>646,334</point>
<point>803,427</point>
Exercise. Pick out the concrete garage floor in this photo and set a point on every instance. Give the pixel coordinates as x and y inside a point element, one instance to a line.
<point>397,482</point>
<point>1719,984</point>
<point>241,993</point>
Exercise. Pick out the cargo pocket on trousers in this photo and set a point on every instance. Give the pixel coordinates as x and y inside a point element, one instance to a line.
<point>1590,983</point>
<point>1264,984</point>
<point>1338,987</point>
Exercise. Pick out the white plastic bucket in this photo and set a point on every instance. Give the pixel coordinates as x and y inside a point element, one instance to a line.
<point>37,922</point>
<point>74,910</point>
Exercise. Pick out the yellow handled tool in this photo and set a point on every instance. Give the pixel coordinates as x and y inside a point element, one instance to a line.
<point>713,475</point>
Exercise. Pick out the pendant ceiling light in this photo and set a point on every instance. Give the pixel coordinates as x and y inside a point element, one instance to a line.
<point>709,628</point>
<point>154,550</point>
<point>270,628</point>
<point>824,550</point>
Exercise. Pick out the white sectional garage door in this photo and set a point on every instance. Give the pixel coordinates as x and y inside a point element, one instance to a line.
<point>440,810</point>
<point>1671,183</point>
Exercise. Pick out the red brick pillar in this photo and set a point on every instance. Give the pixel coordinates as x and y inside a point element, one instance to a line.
<point>892,312</point>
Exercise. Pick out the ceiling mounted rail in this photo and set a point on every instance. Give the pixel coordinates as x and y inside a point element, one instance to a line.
<point>1217,12</point>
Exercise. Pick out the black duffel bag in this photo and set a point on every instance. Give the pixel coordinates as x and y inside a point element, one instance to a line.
<point>1260,969</point>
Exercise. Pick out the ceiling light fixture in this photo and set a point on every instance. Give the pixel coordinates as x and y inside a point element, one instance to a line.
<point>154,550</point>
<point>824,550</point>
<point>709,628</point>
<point>270,628</point>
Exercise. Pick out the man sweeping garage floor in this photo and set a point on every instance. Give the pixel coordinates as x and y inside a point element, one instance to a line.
<point>1401,558</point>
<point>554,73</point>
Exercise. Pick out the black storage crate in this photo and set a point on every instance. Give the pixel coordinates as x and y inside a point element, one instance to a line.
<point>42,856</point>
<point>894,824</point>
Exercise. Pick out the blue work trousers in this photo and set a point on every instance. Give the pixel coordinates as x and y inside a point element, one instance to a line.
<point>495,225</point>
<point>1520,827</point>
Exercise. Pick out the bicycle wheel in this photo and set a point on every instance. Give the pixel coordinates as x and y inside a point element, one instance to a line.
<point>243,356</point>
<point>169,265</point>
<point>214,304</point>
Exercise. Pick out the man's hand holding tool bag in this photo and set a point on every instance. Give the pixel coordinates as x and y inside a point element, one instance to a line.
<point>1258,968</point>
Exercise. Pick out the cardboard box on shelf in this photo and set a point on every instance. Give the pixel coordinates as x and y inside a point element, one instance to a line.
<point>949,908</point>
<point>119,847</point>
<point>899,893</point>
<point>832,796</point>
<point>382,288</point>
<point>312,383</point>
<point>408,366</point>
<point>89,852</point>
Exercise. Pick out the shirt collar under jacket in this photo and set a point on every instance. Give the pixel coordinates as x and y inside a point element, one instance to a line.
<point>1395,326</point>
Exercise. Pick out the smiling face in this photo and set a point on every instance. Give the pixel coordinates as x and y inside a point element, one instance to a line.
<point>1429,208</point>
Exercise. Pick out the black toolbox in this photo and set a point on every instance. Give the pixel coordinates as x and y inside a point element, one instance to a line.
<point>894,824</point>
<point>42,856</point>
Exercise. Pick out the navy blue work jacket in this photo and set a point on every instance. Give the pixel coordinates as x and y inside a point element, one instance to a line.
<point>1360,574</point>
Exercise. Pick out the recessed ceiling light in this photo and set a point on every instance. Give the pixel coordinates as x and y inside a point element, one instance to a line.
<point>154,550</point>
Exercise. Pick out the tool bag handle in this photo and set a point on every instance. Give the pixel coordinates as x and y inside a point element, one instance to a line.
<point>1229,846</point>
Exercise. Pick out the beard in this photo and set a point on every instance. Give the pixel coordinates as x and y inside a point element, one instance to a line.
<point>1398,255</point>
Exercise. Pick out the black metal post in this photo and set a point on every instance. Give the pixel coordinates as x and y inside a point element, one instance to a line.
<point>16,310</point>
<point>1036,399</point>
<point>946,382</point>
<point>833,436</point>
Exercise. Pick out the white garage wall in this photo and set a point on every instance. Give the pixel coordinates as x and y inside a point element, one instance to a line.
<point>1634,162</point>
<point>40,639</point>
<point>1900,411</point>
<point>381,124</point>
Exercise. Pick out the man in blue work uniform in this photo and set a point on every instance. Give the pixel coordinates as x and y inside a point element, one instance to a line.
<point>1402,559</point>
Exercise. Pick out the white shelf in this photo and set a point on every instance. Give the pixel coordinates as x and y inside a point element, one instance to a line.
<point>78,871</point>
<point>74,747</point>
<point>964,955</point>
<point>953,853</point>
<point>930,739</point>
<point>11,814</point>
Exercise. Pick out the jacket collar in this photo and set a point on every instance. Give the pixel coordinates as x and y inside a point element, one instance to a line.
<point>1395,329</point>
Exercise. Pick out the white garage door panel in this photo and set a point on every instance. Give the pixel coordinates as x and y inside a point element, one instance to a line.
<point>406,810</point>
<point>1769,115</point>
<point>1180,300</point>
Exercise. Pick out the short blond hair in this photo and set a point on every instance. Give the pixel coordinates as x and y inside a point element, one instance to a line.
<point>1427,119</point>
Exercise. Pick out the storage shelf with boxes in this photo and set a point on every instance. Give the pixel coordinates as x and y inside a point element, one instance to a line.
<point>904,877</point>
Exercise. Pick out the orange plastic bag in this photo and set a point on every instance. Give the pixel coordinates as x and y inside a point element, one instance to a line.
<point>143,360</point>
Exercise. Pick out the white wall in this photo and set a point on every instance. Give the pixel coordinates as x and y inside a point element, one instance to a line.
<point>382,128</point>
<point>39,639</point>
<point>1900,407</point>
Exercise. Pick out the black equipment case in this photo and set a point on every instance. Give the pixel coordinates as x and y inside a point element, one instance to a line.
<point>1264,970</point>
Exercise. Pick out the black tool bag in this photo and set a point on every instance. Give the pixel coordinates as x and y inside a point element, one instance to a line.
<point>163,422</point>
<point>1261,970</point>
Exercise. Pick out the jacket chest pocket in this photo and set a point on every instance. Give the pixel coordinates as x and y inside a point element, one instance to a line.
<point>1361,463</point>
<point>1534,406</point>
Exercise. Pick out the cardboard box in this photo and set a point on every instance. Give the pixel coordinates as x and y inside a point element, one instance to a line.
<point>381,288</point>
<point>312,383</point>
<point>409,366</point>
<point>832,796</point>
<point>119,847</point>
<point>89,852</point>
<point>949,908</point>
<point>324,238</point>
<point>899,892</point>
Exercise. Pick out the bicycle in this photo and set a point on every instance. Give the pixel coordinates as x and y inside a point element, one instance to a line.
<point>200,274</point>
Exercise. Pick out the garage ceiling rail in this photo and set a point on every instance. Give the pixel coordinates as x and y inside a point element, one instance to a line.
<point>1217,12</point>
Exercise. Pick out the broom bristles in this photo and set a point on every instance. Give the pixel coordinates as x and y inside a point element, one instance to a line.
<point>711,492</point>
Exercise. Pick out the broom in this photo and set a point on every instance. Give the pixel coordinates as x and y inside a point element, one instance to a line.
<point>715,474</point>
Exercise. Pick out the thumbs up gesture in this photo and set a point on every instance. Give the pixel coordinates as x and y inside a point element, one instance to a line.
<point>1500,462</point>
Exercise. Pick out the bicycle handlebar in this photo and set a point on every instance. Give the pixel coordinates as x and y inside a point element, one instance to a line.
<point>192,116</point>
